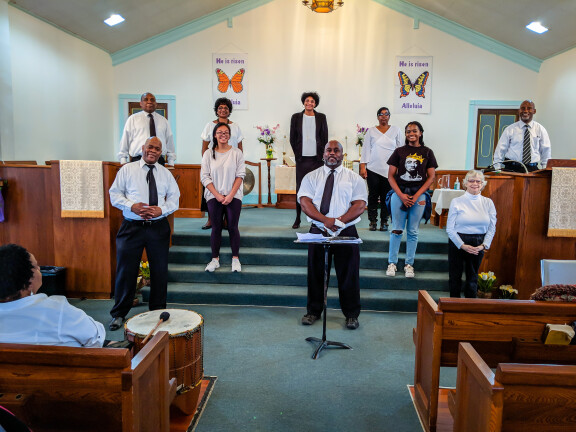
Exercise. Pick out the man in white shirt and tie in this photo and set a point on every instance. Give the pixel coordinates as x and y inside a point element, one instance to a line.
<point>525,141</point>
<point>333,198</point>
<point>143,125</point>
<point>146,192</point>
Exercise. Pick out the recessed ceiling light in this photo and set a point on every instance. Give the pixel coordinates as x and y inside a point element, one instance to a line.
<point>536,27</point>
<point>114,19</point>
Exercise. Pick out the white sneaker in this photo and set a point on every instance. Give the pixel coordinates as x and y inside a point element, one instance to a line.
<point>213,265</point>
<point>391,271</point>
<point>236,267</point>
<point>409,271</point>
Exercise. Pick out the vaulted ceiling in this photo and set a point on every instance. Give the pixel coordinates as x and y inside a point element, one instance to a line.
<point>502,20</point>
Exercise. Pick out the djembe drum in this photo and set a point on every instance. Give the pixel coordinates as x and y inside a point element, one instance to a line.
<point>186,365</point>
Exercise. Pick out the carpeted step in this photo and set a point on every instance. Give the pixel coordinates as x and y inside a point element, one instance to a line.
<point>296,257</point>
<point>372,242</point>
<point>296,276</point>
<point>278,295</point>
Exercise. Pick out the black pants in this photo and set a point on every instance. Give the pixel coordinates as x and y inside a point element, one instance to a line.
<point>161,159</point>
<point>232,212</point>
<point>347,266</point>
<point>305,165</point>
<point>378,187</point>
<point>132,238</point>
<point>459,260</point>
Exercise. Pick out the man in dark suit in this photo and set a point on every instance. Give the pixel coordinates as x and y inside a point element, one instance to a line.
<point>308,136</point>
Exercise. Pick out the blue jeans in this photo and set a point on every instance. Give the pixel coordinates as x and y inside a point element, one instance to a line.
<point>409,219</point>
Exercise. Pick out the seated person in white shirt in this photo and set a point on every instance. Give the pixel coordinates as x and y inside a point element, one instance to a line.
<point>30,318</point>
<point>470,227</point>
<point>340,216</point>
<point>511,143</point>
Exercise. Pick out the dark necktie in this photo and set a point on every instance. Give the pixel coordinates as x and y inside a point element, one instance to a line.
<point>327,194</point>
<point>526,149</point>
<point>152,190</point>
<point>152,125</point>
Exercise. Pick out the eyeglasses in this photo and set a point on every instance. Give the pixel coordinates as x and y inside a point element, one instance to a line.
<point>387,114</point>
<point>223,108</point>
<point>223,133</point>
<point>474,181</point>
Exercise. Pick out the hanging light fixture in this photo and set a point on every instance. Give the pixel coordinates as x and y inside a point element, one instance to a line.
<point>323,6</point>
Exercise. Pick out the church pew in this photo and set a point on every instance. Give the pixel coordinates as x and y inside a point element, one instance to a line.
<point>518,397</point>
<point>55,388</point>
<point>501,331</point>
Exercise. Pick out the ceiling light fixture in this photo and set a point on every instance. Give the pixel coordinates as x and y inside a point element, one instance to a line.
<point>536,27</point>
<point>114,19</point>
<point>322,6</point>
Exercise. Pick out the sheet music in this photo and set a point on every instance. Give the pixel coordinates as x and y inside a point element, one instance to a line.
<point>315,238</point>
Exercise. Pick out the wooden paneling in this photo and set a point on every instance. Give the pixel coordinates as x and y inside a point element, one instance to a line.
<point>28,210</point>
<point>86,246</point>
<point>188,179</point>
<point>522,204</point>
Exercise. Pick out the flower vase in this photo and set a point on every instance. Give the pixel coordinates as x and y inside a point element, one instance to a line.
<point>359,151</point>
<point>485,295</point>
<point>269,152</point>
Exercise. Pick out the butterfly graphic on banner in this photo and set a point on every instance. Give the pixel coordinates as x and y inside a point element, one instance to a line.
<point>418,86</point>
<point>235,82</point>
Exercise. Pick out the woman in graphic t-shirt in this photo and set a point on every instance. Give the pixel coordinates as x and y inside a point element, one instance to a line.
<point>412,171</point>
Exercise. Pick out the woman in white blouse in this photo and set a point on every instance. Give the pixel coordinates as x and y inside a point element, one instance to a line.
<point>222,109</point>
<point>471,227</point>
<point>379,144</point>
<point>222,173</point>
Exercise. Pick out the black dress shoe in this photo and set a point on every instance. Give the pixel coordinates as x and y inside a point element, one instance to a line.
<point>296,225</point>
<point>352,323</point>
<point>207,226</point>
<point>116,323</point>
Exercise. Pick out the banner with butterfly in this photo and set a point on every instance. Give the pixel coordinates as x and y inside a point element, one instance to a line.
<point>229,78</point>
<point>413,84</point>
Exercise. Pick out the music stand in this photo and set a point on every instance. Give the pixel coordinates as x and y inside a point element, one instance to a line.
<point>327,242</point>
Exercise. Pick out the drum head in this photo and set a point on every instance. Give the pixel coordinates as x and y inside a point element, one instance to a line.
<point>180,321</point>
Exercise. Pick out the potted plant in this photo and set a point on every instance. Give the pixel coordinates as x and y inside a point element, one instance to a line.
<point>267,136</point>
<point>486,281</point>
<point>143,280</point>
<point>507,292</point>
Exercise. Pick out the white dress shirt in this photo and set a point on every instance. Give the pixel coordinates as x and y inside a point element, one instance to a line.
<point>43,320</point>
<point>137,131</point>
<point>222,172</point>
<point>511,144</point>
<point>471,214</point>
<point>348,187</point>
<point>308,135</point>
<point>130,187</point>
<point>235,134</point>
<point>378,147</point>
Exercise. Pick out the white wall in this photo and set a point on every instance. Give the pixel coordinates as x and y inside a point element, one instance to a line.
<point>556,97</point>
<point>62,92</point>
<point>347,56</point>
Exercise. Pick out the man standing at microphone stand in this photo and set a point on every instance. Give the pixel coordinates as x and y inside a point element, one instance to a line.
<point>333,198</point>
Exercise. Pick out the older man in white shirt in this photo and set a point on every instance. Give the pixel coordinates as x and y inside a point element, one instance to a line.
<point>525,141</point>
<point>143,125</point>
<point>146,192</point>
<point>333,198</point>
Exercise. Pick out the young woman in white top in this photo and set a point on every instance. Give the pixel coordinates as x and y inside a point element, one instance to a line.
<point>222,109</point>
<point>471,227</point>
<point>223,170</point>
<point>379,144</point>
